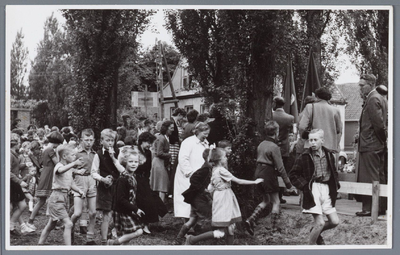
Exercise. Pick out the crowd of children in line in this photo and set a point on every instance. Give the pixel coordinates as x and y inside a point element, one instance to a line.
<point>62,168</point>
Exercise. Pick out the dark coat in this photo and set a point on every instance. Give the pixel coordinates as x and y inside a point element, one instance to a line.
<point>198,183</point>
<point>302,172</point>
<point>373,124</point>
<point>285,122</point>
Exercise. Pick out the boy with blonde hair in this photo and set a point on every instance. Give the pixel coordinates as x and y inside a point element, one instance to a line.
<point>62,184</point>
<point>105,173</point>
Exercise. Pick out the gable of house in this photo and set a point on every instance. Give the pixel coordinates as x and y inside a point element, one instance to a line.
<point>351,93</point>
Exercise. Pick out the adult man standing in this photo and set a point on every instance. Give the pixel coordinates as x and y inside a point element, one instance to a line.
<point>314,172</point>
<point>372,139</point>
<point>325,117</point>
<point>285,122</point>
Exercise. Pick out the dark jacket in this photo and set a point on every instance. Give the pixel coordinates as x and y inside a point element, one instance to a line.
<point>174,137</point>
<point>301,176</point>
<point>198,183</point>
<point>123,201</point>
<point>373,124</point>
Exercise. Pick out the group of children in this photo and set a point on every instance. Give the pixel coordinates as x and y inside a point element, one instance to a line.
<point>107,182</point>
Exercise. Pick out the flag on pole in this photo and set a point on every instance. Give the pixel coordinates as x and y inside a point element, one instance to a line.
<point>290,106</point>
<point>312,80</point>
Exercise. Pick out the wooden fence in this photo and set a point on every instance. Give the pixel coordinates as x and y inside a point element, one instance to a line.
<point>375,190</point>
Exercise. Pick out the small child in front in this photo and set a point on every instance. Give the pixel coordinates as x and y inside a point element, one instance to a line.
<point>126,214</point>
<point>62,183</point>
<point>225,207</point>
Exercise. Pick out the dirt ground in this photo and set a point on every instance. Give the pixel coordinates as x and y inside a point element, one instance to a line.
<point>352,230</point>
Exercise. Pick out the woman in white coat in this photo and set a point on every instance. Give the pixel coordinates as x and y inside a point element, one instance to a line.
<point>190,159</point>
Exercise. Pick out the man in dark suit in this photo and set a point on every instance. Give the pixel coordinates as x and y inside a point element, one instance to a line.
<point>285,122</point>
<point>372,139</point>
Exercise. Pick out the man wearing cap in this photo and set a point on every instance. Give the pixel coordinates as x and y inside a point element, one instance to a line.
<point>285,122</point>
<point>372,139</point>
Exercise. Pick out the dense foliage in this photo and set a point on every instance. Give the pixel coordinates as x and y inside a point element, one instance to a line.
<point>100,42</point>
<point>19,54</point>
<point>50,76</point>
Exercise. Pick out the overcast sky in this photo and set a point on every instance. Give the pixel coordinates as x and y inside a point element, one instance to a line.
<point>32,18</point>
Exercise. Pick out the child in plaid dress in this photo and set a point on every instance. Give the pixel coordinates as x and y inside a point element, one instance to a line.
<point>126,214</point>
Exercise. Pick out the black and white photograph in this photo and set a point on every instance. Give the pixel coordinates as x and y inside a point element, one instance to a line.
<point>234,127</point>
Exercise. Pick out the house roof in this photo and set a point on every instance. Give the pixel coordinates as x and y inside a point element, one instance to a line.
<point>351,93</point>
<point>337,96</point>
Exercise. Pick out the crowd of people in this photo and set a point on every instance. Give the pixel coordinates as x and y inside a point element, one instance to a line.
<point>128,180</point>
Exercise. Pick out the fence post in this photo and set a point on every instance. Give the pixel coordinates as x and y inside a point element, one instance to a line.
<point>375,201</point>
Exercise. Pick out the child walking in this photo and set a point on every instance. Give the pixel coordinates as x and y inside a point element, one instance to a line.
<point>225,208</point>
<point>29,192</point>
<point>126,214</point>
<point>49,160</point>
<point>268,159</point>
<point>58,200</point>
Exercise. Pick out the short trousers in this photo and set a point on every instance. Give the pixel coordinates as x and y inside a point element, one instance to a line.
<point>320,192</point>
<point>87,184</point>
<point>201,207</point>
<point>105,196</point>
<point>57,205</point>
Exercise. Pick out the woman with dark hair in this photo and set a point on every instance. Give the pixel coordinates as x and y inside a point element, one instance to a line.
<point>191,118</point>
<point>147,200</point>
<point>49,161</point>
<point>159,180</point>
<point>175,143</point>
<point>190,160</point>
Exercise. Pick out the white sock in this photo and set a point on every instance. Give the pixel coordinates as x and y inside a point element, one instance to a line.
<point>218,233</point>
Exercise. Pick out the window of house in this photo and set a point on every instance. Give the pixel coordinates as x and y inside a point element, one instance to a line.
<point>203,108</point>
<point>188,108</point>
<point>185,83</point>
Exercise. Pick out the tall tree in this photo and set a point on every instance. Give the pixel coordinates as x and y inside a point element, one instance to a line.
<point>19,55</point>
<point>101,41</point>
<point>368,40</point>
<point>50,76</point>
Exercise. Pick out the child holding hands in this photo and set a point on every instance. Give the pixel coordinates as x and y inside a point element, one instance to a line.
<point>62,183</point>
<point>225,208</point>
<point>126,214</point>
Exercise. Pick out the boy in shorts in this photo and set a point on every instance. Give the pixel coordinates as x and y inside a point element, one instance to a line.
<point>105,173</point>
<point>315,173</point>
<point>86,183</point>
<point>58,200</point>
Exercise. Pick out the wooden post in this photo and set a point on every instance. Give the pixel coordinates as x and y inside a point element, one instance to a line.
<point>169,77</point>
<point>375,201</point>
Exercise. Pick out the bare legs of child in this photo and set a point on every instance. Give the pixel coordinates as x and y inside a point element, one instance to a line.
<point>78,207</point>
<point>42,201</point>
<point>15,217</point>
<point>123,240</point>
<point>228,233</point>
<point>51,225</point>
<point>321,225</point>
<point>104,226</point>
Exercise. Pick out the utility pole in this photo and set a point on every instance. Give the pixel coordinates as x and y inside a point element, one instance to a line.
<point>159,78</point>
<point>169,78</point>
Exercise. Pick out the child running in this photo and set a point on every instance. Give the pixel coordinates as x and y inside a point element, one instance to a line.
<point>58,200</point>
<point>268,159</point>
<point>225,208</point>
<point>126,214</point>
<point>198,197</point>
